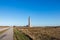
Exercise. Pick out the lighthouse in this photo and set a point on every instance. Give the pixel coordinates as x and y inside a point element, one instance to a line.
<point>29,21</point>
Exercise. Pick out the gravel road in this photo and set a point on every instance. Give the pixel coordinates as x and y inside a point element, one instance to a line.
<point>8,35</point>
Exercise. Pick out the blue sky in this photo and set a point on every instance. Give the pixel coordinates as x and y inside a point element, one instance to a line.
<point>42,12</point>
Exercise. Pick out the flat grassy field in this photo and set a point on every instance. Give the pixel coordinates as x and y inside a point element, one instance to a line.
<point>41,33</point>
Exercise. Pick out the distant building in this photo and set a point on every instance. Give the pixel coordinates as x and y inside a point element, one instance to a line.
<point>28,21</point>
<point>29,25</point>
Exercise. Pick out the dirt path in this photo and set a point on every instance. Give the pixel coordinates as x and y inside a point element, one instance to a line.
<point>8,35</point>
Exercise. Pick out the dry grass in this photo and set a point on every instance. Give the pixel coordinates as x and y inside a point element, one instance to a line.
<point>4,26</point>
<point>1,27</point>
<point>39,33</point>
<point>3,31</point>
<point>19,35</point>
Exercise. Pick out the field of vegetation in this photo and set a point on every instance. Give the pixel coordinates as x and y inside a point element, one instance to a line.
<point>4,26</point>
<point>1,27</point>
<point>41,33</point>
<point>19,35</point>
<point>2,31</point>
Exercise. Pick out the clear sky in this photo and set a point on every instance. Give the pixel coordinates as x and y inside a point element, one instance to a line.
<point>42,12</point>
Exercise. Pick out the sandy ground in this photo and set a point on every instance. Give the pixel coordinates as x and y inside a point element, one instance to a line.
<point>8,35</point>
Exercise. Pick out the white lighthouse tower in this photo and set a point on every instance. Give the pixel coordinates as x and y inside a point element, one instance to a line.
<point>29,21</point>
